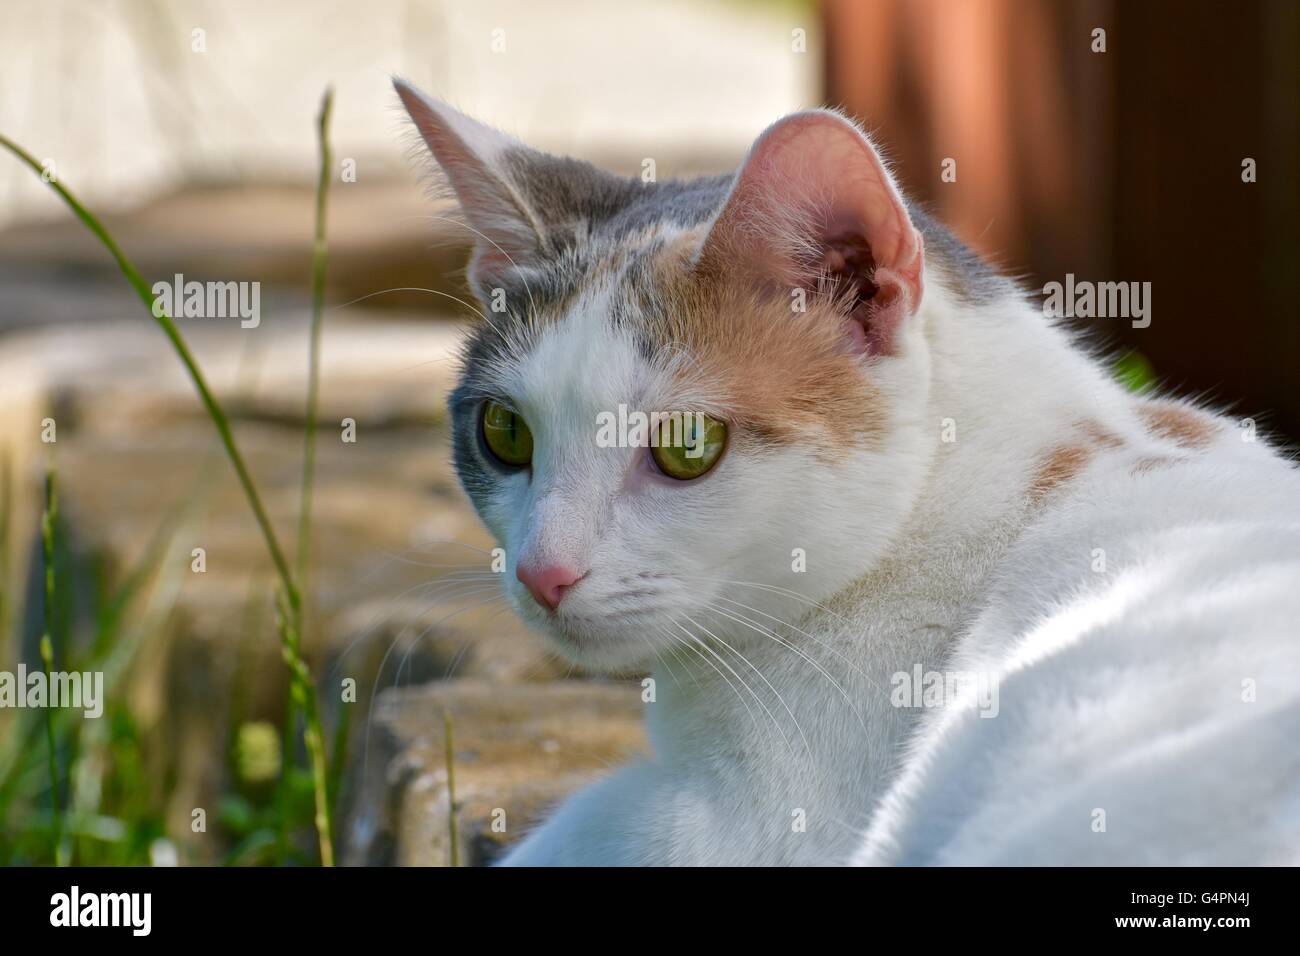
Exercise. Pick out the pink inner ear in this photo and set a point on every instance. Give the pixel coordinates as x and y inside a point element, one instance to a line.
<point>815,200</point>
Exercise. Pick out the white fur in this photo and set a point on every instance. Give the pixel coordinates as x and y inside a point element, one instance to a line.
<point>1119,691</point>
<point>1147,710</point>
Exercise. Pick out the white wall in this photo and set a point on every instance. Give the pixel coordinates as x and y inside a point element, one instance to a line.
<point>113,93</point>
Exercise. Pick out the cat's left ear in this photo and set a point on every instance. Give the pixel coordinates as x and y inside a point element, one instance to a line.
<point>814,200</point>
<point>509,236</point>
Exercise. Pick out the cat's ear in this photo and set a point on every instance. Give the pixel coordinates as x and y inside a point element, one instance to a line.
<point>814,201</point>
<point>509,236</point>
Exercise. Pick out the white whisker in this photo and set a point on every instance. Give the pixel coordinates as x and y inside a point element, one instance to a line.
<point>786,644</point>
<point>743,683</point>
<point>794,720</point>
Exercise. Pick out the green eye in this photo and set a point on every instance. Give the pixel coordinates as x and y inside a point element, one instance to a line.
<point>689,445</point>
<point>506,435</point>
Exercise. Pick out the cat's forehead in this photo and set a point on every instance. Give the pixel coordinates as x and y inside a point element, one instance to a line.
<point>618,310</point>
<point>636,324</point>
<point>587,331</point>
<point>610,209</point>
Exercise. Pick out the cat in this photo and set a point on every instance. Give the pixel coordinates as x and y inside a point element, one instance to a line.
<point>934,588</point>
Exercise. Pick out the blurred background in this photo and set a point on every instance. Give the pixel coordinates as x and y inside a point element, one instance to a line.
<point>1100,139</point>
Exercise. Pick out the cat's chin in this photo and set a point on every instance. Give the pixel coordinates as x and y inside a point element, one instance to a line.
<point>607,647</point>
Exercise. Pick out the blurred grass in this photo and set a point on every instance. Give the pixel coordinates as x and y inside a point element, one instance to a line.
<point>450,754</point>
<point>6,512</point>
<point>106,809</point>
<point>1134,372</point>
<point>104,757</point>
<point>292,622</point>
<point>47,660</point>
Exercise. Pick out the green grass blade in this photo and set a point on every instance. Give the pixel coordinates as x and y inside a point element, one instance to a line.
<point>319,257</point>
<point>48,519</point>
<point>454,849</point>
<point>303,689</point>
<point>187,359</point>
<point>6,526</point>
<point>339,752</point>
<point>302,696</point>
<point>303,693</point>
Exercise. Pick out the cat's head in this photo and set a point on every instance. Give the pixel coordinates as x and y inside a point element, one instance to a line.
<point>784,304</point>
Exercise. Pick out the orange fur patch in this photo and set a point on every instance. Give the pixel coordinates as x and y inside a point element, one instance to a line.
<point>1064,462</point>
<point>785,376</point>
<point>1099,436</point>
<point>1061,465</point>
<point>1182,426</point>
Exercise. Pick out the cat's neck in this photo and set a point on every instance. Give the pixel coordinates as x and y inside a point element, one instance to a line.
<point>1009,391</point>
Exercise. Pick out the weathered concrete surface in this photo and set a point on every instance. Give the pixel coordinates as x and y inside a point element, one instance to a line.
<point>401,590</point>
<point>518,750</point>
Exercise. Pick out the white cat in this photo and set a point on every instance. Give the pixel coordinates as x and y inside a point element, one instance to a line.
<point>932,588</point>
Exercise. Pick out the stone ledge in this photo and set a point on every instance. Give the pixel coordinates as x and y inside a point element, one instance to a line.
<point>520,748</point>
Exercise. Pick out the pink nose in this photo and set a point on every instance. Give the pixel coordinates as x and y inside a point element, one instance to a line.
<point>547,584</point>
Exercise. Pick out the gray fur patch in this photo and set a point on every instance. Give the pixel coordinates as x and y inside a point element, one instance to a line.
<point>588,212</point>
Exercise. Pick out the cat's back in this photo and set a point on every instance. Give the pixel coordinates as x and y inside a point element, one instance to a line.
<point>1142,636</point>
